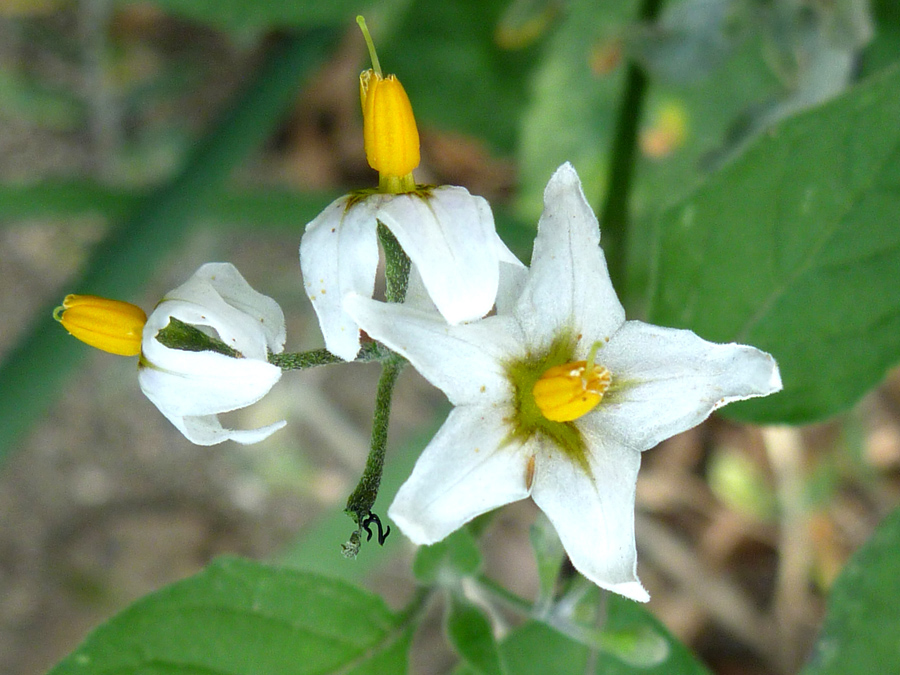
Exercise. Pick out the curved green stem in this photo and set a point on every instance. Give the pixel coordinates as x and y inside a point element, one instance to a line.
<point>614,216</point>
<point>362,499</point>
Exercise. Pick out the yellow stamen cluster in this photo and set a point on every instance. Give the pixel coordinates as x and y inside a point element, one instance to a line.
<point>568,391</point>
<point>111,325</point>
<point>389,127</point>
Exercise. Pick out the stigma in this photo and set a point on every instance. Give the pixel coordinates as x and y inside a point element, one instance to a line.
<point>109,325</point>
<point>566,392</point>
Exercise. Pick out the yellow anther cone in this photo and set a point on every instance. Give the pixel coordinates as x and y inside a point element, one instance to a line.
<point>565,393</point>
<point>389,127</point>
<point>111,325</point>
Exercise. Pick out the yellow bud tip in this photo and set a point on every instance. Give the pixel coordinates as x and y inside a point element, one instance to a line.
<point>110,325</point>
<point>566,392</point>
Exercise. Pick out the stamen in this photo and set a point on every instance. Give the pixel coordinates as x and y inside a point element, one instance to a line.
<point>566,392</point>
<point>110,325</point>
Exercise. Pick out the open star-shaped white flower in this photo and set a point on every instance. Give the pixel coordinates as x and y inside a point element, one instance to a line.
<point>192,387</point>
<point>556,396</point>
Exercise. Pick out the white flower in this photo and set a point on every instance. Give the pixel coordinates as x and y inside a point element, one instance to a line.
<point>558,346</point>
<point>447,233</point>
<point>192,387</point>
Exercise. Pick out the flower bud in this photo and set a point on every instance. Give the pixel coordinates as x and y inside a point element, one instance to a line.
<point>111,325</point>
<point>389,127</point>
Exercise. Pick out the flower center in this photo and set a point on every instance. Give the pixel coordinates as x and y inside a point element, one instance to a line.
<point>111,325</point>
<point>568,391</point>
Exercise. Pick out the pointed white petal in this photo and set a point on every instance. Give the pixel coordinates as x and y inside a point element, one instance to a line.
<point>201,383</point>
<point>671,380</point>
<point>234,290</point>
<point>594,515</point>
<point>568,288</point>
<point>251,323</point>
<point>206,430</point>
<point>339,254</point>
<point>465,361</point>
<point>465,471</point>
<point>449,235</point>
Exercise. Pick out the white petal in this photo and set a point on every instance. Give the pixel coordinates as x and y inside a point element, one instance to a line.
<point>416,295</point>
<point>207,430</point>
<point>568,288</point>
<point>225,279</point>
<point>449,235</point>
<point>339,254</point>
<point>465,361</point>
<point>465,471</point>
<point>254,324</point>
<point>202,383</point>
<point>512,279</point>
<point>671,380</point>
<point>594,516</point>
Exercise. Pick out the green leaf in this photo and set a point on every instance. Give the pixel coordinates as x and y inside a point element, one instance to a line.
<point>861,633</point>
<point>242,617</point>
<point>472,637</point>
<point>794,248</point>
<point>537,649</point>
<point>448,560</point>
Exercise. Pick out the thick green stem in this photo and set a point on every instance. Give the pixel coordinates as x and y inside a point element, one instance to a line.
<point>614,217</point>
<point>362,499</point>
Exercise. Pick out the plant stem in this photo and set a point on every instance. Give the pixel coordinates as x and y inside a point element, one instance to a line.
<point>362,499</point>
<point>614,216</point>
<point>371,351</point>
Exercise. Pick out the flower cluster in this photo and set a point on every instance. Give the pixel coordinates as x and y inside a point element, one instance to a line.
<point>556,394</point>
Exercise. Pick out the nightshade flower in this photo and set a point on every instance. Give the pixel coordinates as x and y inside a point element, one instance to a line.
<point>447,233</point>
<point>556,397</point>
<point>192,387</point>
<point>213,361</point>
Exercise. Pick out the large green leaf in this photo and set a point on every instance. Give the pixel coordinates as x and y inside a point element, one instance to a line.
<point>861,634</point>
<point>794,248</point>
<point>240,617</point>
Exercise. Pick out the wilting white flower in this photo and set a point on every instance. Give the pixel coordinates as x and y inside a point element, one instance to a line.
<point>447,233</point>
<point>556,397</point>
<point>192,387</point>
